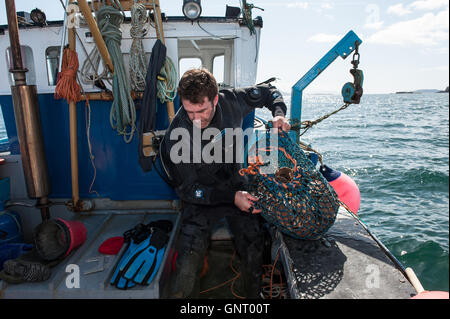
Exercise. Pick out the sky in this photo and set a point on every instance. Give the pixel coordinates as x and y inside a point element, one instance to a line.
<point>405,43</point>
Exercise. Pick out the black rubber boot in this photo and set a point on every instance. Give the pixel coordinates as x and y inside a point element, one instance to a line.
<point>194,242</point>
<point>248,234</point>
<point>186,282</point>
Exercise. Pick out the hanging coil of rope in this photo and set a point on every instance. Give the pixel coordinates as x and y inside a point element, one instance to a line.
<point>295,197</point>
<point>67,86</point>
<point>138,62</point>
<point>90,69</point>
<point>123,111</point>
<point>167,82</point>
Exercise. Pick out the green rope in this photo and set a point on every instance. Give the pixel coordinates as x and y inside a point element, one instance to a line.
<point>167,86</point>
<point>138,63</point>
<point>123,111</point>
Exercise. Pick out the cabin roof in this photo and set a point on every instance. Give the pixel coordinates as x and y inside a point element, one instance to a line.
<point>258,22</point>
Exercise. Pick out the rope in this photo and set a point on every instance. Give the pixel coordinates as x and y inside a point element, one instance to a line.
<point>90,67</point>
<point>138,63</point>
<point>274,290</point>
<point>87,117</point>
<point>167,84</point>
<point>279,288</point>
<point>232,280</point>
<point>256,161</point>
<point>306,125</point>
<point>87,114</point>
<point>123,111</point>
<point>67,86</point>
<point>310,149</point>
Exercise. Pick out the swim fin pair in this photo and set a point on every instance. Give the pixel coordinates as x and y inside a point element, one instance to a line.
<point>142,258</point>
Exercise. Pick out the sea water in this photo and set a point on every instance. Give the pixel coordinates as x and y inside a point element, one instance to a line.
<point>396,148</point>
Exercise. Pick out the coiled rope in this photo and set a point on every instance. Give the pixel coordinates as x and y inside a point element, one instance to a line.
<point>123,111</point>
<point>67,86</point>
<point>90,68</point>
<point>167,84</point>
<point>138,63</point>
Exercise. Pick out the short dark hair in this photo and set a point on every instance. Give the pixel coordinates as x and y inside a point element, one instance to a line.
<point>196,84</point>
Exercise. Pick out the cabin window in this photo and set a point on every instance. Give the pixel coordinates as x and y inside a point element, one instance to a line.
<point>27,62</point>
<point>218,68</point>
<point>189,63</point>
<point>52,59</point>
<point>3,135</point>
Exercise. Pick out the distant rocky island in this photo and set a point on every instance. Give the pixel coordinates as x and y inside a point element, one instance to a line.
<point>423,91</point>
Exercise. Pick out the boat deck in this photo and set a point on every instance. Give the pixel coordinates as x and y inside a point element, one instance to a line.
<point>101,226</point>
<point>347,265</point>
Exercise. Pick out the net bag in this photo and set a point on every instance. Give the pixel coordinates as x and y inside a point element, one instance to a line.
<point>293,196</point>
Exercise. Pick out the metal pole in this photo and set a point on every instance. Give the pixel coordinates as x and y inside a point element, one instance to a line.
<point>63,38</point>
<point>28,123</point>
<point>13,31</point>
<point>73,132</point>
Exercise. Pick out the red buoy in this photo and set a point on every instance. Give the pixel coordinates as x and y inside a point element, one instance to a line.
<point>344,186</point>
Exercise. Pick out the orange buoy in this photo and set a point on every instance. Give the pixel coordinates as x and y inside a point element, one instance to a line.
<point>344,186</point>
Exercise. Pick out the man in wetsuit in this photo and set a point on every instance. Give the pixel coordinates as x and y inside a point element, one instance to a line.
<point>212,189</point>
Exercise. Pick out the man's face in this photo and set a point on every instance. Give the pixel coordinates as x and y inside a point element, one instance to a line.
<point>201,113</point>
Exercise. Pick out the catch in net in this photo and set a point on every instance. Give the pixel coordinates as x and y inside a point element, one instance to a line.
<point>293,195</point>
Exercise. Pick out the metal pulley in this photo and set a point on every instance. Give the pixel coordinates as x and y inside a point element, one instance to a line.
<point>352,92</point>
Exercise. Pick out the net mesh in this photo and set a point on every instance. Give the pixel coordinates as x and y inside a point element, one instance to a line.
<point>294,196</point>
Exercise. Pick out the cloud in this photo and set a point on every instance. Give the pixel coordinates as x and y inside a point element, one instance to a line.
<point>326,6</point>
<point>324,38</point>
<point>301,5</point>
<point>435,68</point>
<point>429,4</point>
<point>373,17</point>
<point>443,50</point>
<point>398,9</point>
<point>430,29</point>
<point>374,25</point>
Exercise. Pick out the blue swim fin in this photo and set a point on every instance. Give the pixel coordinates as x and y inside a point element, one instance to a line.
<point>143,263</point>
<point>117,280</point>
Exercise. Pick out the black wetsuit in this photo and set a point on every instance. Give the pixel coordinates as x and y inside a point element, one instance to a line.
<point>208,189</point>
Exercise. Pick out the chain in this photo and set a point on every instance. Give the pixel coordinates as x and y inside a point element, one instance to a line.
<point>356,56</point>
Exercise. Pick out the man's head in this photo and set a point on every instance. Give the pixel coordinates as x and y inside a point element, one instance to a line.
<point>199,95</point>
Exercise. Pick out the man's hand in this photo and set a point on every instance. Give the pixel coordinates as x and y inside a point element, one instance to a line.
<point>245,201</point>
<point>280,122</point>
